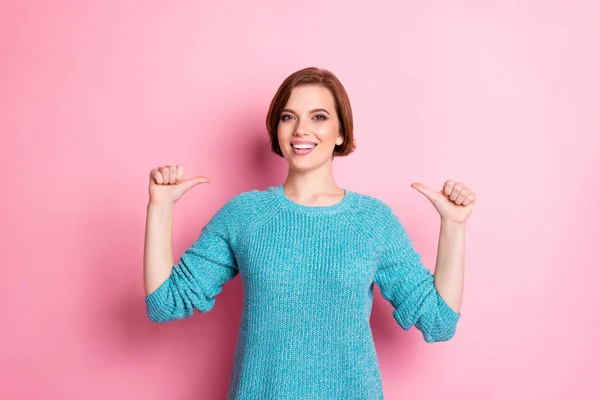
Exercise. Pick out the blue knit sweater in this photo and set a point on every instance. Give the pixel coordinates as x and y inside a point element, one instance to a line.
<point>308,274</point>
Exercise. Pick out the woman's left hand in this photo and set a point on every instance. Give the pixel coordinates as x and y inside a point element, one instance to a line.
<point>454,202</point>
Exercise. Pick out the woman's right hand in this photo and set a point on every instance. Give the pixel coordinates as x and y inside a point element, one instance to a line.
<point>167,184</point>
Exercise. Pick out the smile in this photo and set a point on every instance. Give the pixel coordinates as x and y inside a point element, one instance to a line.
<point>303,148</point>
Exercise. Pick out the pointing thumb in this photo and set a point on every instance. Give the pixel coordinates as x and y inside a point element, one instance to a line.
<point>430,194</point>
<point>190,183</point>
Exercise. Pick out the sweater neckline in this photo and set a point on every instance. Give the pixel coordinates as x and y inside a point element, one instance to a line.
<point>315,210</point>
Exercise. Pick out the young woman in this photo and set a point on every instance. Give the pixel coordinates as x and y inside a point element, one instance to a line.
<point>309,253</point>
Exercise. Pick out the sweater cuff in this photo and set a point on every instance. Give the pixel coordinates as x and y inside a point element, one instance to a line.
<point>155,302</point>
<point>447,313</point>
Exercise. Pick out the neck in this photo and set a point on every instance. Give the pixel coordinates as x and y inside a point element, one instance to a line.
<point>313,182</point>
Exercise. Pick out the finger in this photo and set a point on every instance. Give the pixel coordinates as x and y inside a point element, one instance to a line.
<point>173,174</point>
<point>455,191</point>
<point>430,194</point>
<point>471,198</point>
<point>448,186</point>
<point>164,172</point>
<point>462,196</point>
<point>167,174</point>
<point>189,183</point>
<point>156,176</point>
<point>180,173</point>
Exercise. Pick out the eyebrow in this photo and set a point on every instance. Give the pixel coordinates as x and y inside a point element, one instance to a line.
<point>312,111</point>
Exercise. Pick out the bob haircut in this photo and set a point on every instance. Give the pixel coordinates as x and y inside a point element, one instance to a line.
<point>313,76</point>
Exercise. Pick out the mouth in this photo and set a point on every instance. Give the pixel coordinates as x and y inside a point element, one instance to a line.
<point>302,148</point>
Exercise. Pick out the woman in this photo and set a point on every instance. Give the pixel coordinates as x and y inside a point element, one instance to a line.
<point>309,253</point>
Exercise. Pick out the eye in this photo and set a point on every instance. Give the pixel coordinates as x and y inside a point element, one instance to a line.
<point>321,117</point>
<point>285,117</point>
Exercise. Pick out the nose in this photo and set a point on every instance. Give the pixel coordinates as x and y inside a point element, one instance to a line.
<point>301,129</point>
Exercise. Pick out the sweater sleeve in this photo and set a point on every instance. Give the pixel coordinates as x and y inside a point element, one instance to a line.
<point>405,282</point>
<point>200,274</point>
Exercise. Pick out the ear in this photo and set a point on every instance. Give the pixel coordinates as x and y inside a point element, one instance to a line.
<point>340,140</point>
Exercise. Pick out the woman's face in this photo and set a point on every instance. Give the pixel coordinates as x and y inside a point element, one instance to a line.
<point>309,127</point>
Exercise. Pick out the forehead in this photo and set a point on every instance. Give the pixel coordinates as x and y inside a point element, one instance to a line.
<point>310,97</point>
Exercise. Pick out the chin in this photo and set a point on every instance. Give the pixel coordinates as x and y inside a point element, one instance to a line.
<point>305,165</point>
<point>302,168</point>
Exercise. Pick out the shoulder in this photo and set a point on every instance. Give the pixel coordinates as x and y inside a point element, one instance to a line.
<point>250,202</point>
<point>368,206</point>
<point>379,221</point>
<point>247,208</point>
<point>375,216</point>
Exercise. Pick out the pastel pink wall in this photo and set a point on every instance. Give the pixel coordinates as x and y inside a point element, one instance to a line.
<point>501,95</point>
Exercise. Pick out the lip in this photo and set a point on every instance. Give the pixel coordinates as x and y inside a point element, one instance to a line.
<point>302,152</point>
<point>302,142</point>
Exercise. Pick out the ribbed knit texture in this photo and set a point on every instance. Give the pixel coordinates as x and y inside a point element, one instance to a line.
<point>308,274</point>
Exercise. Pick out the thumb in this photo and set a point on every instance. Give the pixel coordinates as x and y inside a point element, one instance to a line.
<point>425,191</point>
<point>190,183</point>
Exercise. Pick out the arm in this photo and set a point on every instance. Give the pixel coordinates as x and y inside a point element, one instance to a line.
<point>449,267</point>
<point>158,252</point>
<point>431,303</point>
<point>454,203</point>
<point>407,284</point>
<point>174,291</point>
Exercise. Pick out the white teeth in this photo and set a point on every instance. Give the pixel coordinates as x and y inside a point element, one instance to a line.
<point>303,146</point>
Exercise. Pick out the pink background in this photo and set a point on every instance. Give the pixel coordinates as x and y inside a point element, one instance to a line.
<point>503,96</point>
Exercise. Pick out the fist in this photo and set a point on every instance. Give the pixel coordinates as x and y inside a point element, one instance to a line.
<point>167,184</point>
<point>454,202</point>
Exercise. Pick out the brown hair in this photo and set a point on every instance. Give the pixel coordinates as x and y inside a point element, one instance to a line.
<point>313,76</point>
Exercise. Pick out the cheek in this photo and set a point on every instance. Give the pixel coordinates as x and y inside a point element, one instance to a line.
<point>280,132</point>
<point>327,133</point>
<point>284,130</point>
<point>283,135</point>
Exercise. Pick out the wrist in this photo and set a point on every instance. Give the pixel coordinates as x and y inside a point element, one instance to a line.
<point>160,207</point>
<point>454,224</point>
